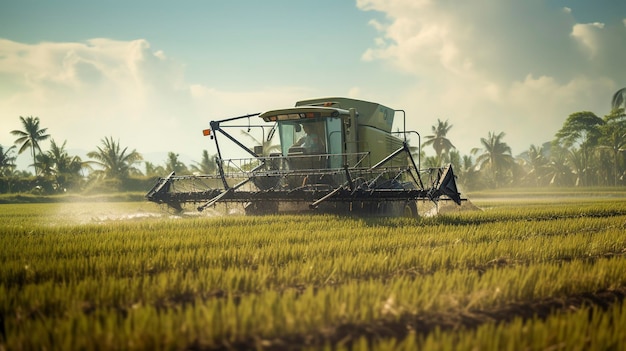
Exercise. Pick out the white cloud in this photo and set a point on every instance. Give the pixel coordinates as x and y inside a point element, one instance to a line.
<point>587,34</point>
<point>83,92</point>
<point>489,65</point>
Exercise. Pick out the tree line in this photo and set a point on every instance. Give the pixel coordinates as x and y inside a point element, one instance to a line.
<point>587,151</point>
<point>111,167</point>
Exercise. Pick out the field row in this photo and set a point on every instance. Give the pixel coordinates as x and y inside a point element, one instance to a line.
<point>588,328</point>
<point>150,282</point>
<point>280,252</point>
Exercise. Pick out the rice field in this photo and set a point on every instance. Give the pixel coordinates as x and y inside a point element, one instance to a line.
<point>520,274</point>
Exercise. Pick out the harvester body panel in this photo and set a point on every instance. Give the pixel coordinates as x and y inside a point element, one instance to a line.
<point>336,154</point>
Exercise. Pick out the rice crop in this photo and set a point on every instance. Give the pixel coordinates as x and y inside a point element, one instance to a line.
<point>126,276</point>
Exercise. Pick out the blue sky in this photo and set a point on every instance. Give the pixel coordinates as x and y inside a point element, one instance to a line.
<point>235,43</point>
<point>154,73</point>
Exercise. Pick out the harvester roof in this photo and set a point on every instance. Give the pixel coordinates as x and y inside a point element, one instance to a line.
<point>302,112</point>
<point>369,113</point>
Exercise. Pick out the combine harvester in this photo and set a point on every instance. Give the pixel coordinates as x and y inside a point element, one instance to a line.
<point>337,155</point>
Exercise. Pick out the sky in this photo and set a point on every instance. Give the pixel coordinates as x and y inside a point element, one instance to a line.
<point>153,74</point>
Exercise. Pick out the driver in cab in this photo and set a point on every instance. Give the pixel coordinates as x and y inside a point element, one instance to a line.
<point>311,142</point>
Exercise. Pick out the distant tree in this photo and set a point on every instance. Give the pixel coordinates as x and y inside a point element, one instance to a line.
<point>495,157</point>
<point>613,139</point>
<point>581,130</point>
<point>22,173</point>
<point>116,162</point>
<point>207,165</point>
<point>559,171</point>
<point>619,100</point>
<point>438,140</point>
<point>266,145</point>
<point>64,164</point>
<point>7,161</point>
<point>455,159</point>
<point>30,137</point>
<point>173,164</point>
<point>67,169</point>
<point>536,164</point>
<point>431,162</point>
<point>45,164</point>
<point>153,170</point>
<point>468,174</point>
<point>464,170</point>
<point>578,161</point>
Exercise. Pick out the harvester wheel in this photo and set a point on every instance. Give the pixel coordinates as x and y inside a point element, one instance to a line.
<point>410,209</point>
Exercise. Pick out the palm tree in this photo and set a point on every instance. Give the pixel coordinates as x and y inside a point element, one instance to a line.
<point>207,165</point>
<point>536,163</point>
<point>30,137</point>
<point>496,157</point>
<point>559,171</point>
<point>265,144</point>
<point>67,169</point>
<point>468,174</point>
<point>619,99</point>
<point>7,161</point>
<point>431,162</point>
<point>45,164</point>
<point>438,140</point>
<point>582,130</point>
<point>455,159</point>
<point>153,170</point>
<point>63,162</point>
<point>173,164</point>
<point>116,162</point>
<point>613,139</point>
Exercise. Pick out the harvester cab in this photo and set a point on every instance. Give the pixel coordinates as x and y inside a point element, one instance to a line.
<point>335,155</point>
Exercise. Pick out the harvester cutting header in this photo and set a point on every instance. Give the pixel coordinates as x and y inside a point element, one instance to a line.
<point>337,155</point>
